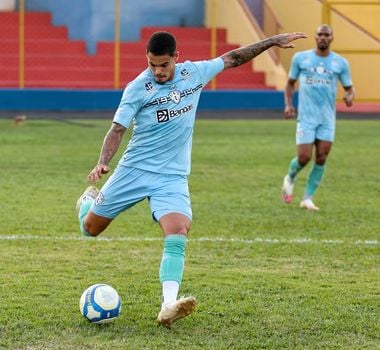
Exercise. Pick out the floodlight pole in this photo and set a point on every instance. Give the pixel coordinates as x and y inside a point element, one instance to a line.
<point>117,46</point>
<point>21,45</point>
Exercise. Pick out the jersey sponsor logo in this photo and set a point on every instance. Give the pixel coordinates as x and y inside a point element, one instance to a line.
<point>164,115</point>
<point>185,73</point>
<point>149,86</point>
<point>311,81</point>
<point>175,96</point>
<point>167,99</point>
<point>320,70</point>
<point>177,112</point>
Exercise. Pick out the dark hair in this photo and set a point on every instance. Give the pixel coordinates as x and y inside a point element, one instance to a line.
<point>162,43</point>
<point>325,26</point>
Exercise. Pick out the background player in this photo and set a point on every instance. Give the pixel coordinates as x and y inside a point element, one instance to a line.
<point>318,71</point>
<point>161,102</point>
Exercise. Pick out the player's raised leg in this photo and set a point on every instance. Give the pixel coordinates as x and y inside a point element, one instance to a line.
<point>171,269</point>
<point>89,223</point>
<point>84,204</point>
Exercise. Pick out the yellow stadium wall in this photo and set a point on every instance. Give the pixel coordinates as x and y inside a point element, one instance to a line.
<point>366,16</point>
<point>241,30</point>
<point>306,15</point>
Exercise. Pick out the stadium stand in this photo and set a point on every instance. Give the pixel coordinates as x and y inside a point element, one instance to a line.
<point>54,61</point>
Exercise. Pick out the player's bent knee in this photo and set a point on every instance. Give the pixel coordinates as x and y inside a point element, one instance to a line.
<point>94,225</point>
<point>321,160</point>
<point>91,230</point>
<point>177,230</point>
<point>182,230</point>
<point>303,159</point>
<point>175,223</point>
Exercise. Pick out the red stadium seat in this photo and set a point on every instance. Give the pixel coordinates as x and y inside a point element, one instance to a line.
<point>54,61</point>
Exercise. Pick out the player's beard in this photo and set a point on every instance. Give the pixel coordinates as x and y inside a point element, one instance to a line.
<point>161,80</point>
<point>323,46</point>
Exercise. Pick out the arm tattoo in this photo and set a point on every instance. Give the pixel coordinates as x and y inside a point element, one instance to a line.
<point>244,54</point>
<point>111,143</point>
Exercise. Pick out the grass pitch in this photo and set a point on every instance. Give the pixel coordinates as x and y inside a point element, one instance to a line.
<point>266,275</point>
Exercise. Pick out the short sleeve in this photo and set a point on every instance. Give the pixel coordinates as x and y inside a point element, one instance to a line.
<point>208,69</point>
<point>130,104</point>
<point>294,70</point>
<point>345,75</point>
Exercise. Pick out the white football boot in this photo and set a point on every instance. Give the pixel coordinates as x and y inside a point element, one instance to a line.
<point>176,310</point>
<point>287,189</point>
<point>90,192</point>
<point>308,204</point>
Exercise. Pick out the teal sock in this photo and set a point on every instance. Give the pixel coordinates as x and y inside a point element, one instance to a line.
<point>294,168</point>
<point>314,179</point>
<point>83,210</point>
<point>173,258</point>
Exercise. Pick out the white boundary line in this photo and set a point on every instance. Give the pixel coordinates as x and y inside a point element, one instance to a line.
<point>200,239</point>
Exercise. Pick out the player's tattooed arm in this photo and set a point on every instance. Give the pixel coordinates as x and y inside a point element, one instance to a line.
<point>110,146</point>
<point>111,143</point>
<point>246,53</point>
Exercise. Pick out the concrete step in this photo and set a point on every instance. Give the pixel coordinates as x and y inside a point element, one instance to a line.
<point>31,18</point>
<point>46,47</point>
<point>34,32</point>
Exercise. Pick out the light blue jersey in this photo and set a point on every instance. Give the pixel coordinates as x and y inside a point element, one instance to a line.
<point>318,77</point>
<point>157,160</point>
<point>163,117</point>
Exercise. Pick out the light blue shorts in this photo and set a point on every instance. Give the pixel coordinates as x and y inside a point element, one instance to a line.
<point>308,133</point>
<point>166,193</point>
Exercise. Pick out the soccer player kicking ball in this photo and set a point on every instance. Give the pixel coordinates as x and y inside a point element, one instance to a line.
<point>161,103</point>
<point>318,71</point>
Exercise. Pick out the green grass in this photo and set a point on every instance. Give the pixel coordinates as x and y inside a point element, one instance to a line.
<point>266,275</point>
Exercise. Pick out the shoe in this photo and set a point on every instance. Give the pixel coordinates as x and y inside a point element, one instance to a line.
<point>174,311</point>
<point>287,189</point>
<point>90,192</point>
<point>308,204</point>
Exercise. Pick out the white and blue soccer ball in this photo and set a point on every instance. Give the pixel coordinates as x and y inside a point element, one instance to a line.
<point>100,303</point>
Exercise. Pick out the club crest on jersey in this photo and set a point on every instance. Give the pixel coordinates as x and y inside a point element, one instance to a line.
<point>175,96</point>
<point>320,69</point>
<point>99,199</point>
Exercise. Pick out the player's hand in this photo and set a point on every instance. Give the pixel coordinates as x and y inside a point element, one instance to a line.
<point>348,98</point>
<point>289,112</point>
<point>284,40</point>
<point>96,173</point>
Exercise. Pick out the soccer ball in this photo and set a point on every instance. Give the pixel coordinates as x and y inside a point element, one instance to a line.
<point>100,303</point>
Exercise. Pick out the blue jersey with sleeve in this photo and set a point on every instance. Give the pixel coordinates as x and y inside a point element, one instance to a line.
<point>163,117</point>
<point>318,79</point>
